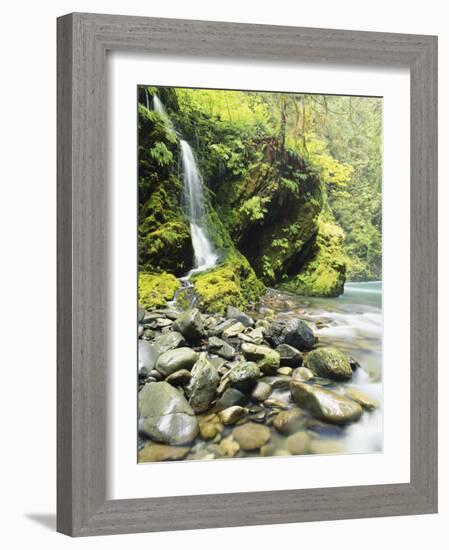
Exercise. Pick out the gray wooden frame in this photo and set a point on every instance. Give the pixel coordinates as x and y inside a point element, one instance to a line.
<point>83,40</point>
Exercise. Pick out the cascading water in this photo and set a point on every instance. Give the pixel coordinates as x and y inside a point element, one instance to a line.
<point>205,256</point>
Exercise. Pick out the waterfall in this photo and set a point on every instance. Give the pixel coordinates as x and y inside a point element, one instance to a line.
<point>205,256</point>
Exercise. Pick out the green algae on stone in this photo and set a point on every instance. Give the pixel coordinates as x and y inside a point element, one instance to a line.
<point>329,362</point>
<point>155,289</point>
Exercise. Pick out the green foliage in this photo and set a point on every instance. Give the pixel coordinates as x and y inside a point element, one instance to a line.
<point>161,154</point>
<point>156,288</point>
<point>254,208</point>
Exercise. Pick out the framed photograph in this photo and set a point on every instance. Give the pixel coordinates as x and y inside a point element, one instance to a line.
<point>247,279</point>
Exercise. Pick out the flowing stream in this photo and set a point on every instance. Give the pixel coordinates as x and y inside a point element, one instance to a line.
<point>353,323</point>
<point>205,256</point>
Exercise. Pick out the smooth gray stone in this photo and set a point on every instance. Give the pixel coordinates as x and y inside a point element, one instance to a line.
<point>165,414</point>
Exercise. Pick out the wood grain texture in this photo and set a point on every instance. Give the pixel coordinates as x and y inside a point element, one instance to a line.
<point>83,40</point>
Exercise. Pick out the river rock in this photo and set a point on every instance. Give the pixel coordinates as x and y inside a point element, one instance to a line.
<point>234,313</point>
<point>220,347</point>
<point>228,447</point>
<point>295,332</point>
<point>190,325</point>
<point>268,360</point>
<point>165,414</point>
<point>285,371</point>
<point>298,443</point>
<point>148,355</point>
<point>261,391</point>
<point>326,447</point>
<point>254,336</point>
<point>325,404</point>
<point>230,397</point>
<point>244,375</point>
<point>176,359</point>
<point>168,341</point>
<point>361,398</point>
<point>289,421</point>
<point>179,378</point>
<point>140,315</point>
<point>203,384</point>
<point>210,425</point>
<point>329,362</point>
<point>156,452</point>
<point>217,329</point>
<point>302,374</point>
<point>251,436</point>
<point>234,330</point>
<point>290,356</point>
<point>232,414</point>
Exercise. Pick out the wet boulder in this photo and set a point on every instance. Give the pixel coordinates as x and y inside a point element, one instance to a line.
<point>290,356</point>
<point>165,414</point>
<point>244,376</point>
<point>295,332</point>
<point>325,404</point>
<point>221,348</point>
<point>176,359</point>
<point>268,360</point>
<point>203,384</point>
<point>234,313</point>
<point>147,356</point>
<point>329,362</point>
<point>190,324</point>
<point>168,341</point>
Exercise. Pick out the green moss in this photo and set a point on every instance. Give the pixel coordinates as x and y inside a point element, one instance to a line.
<point>232,283</point>
<point>325,272</point>
<point>156,288</point>
<point>168,248</point>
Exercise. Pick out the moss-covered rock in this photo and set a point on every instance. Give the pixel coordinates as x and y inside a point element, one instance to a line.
<point>233,282</point>
<point>329,362</point>
<point>155,289</point>
<point>324,273</point>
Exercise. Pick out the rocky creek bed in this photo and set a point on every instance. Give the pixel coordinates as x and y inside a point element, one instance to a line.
<point>243,384</point>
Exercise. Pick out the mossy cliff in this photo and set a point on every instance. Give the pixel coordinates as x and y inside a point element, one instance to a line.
<point>164,242</point>
<point>264,211</point>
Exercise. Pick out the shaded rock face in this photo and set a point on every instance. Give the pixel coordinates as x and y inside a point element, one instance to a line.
<point>329,363</point>
<point>203,384</point>
<point>165,414</point>
<point>325,404</point>
<point>295,332</point>
<point>190,324</point>
<point>176,359</point>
